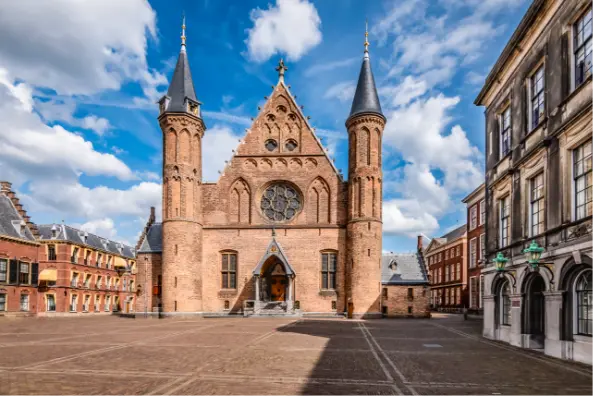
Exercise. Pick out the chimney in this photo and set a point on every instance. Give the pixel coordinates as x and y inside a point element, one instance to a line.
<point>152,215</point>
<point>420,243</point>
<point>5,187</point>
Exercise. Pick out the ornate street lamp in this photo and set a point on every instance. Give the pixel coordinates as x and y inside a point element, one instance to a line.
<point>534,252</point>
<point>500,261</point>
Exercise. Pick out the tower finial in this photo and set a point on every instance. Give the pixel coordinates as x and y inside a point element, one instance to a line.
<point>281,68</point>
<point>366,38</point>
<point>183,34</point>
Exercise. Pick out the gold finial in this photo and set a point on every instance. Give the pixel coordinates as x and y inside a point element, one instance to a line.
<point>183,33</point>
<point>366,36</point>
<point>281,68</point>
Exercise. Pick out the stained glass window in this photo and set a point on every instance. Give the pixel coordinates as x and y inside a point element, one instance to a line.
<point>280,202</point>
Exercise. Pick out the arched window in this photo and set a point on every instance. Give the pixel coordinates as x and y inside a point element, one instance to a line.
<point>504,303</point>
<point>583,304</point>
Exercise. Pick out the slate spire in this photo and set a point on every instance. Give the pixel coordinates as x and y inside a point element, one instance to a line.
<point>181,96</point>
<point>366,99</point>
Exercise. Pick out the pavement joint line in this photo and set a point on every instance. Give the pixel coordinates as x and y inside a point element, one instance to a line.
<point>386,357</point>
<point>515,350</point>
<point>377,358</point>
<point>161,389</point>
<point>106,349</point>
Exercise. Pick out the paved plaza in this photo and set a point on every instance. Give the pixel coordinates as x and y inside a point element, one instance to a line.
<point>111,355</point>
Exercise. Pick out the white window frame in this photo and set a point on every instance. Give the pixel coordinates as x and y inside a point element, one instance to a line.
<point>473,217</point>
<point>471,291</point>
<point>473,252</point>
<point>28,302</point>
<point>574,180</point>
<point>5,302</point>
<point>47,297</point>
<point>483,247</point>
<point>73,303</point>
<point>573,50</point>
<point>481,291</point>
<point>540,201</point>
<point>504,114</point>
<point>575,323</point>
<point>502,204</point>
<point>531,126</point>
<point>501,305</point>
<point>482,212</point>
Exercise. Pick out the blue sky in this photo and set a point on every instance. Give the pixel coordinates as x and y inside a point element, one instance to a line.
<point>78,132</point>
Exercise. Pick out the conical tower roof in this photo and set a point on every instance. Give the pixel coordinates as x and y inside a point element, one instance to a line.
<point>366,99</point>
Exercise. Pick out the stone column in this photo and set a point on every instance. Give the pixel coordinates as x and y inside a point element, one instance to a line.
<point>553,344</point>
<point>489,330</point>
<point>516,338</point>
<point>256,303</point>
<point>289,301</point>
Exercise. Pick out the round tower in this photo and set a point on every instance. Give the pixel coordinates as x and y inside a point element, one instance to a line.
<point>365,178</point>
<point>183,130</point>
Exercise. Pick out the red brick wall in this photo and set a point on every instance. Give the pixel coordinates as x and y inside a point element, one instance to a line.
<point>398,304</point>
<point>26,252</point>
<point>475,271</point>
<point>458,283</point>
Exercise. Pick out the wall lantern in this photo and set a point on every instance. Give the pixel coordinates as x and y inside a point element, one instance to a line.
<point>534,252</point>
<point>500,261</point>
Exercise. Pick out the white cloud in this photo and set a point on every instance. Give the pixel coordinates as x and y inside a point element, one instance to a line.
<point>290,27</point>
<point>329,66</point>
<point>343,91</point>
<point>78,47</point>
<point>410,224</point>
<point>64,109</point>
<point>220,140</point>
<point>404,93</point>
<point>104,227</point>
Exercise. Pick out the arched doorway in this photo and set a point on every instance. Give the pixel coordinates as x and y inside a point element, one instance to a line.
<point>534,310</point>
<point>273,280</point>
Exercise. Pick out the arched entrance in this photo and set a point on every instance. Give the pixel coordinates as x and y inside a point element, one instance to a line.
<point>273,280</point>
<point>534,310</point>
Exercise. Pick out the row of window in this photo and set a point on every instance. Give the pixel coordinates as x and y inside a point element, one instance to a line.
<point>582,202</point>
<point>18,272</point>
<point>24,302</point>
<point>473,250</point>
<point>127,285</point>
<point>452,252</point>
<point>229,265</point>
<point>536,83</point>
<point>448,273</point>
<point>106,303</point>
<point>473,215</point>
<point>476,292</point>
<point>409,296</point>
<point>449,296</point>
<point>102,260</point>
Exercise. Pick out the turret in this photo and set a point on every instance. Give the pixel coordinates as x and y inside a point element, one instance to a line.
<point>365,230</point>
<point>183,130</point>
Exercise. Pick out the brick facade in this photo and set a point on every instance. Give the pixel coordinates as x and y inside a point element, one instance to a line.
<point>19,251</point>
<point>476,245</point>
<point>402,301</point>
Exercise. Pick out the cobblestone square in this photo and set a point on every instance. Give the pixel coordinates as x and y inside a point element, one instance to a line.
<point>112,355</point>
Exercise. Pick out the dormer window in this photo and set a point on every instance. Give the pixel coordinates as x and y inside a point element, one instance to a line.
<point>163,104</point>
<point>83,236</point>
<point>54,231</point>
<point>20,227</point>
<point>393,265</point>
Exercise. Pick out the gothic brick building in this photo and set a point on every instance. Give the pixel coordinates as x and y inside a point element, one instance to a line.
<point>281,231</point>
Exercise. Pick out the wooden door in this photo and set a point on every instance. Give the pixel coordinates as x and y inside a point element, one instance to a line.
<point>350,310</point>
<point>278,288</point>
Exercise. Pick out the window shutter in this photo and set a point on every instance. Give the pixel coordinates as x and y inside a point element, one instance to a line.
<point>13,272</point>
<point>565,69</point>
<point>34,274</point>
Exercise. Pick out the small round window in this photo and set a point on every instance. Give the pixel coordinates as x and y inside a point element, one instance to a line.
<point>290,145</point>
<point>271,145</point>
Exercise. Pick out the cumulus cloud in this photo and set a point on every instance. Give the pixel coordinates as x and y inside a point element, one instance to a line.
<point>290,27</point>
<point>78,47</point>
<point>220,140</point>
<point>343,91</point>
<point>104,227</point>
<point>64,109</point>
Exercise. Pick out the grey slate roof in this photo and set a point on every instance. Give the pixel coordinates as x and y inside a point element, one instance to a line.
<point>409,269</point>
<point>456,233</point>
<point>153,241</point>
<point>10,220</point>
<point>182,85</point>
<point>74,235</point>
<point>366,99</point>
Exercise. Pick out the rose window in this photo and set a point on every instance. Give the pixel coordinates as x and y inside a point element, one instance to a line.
<point>280,202</point>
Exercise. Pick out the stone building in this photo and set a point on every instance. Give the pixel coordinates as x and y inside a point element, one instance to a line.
<point>281,231</point>
<point>538,183</point>
<point>406,288</point>
<point>446,260</point>
<point>84,273</point>
<point>476,248</point>
<point>19,261</point>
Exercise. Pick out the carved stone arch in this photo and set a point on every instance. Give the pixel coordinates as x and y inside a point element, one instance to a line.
<point>196,151</point>
<point>365,137</point>
<point>250,164</point>
<point>526,276</point>
<point>280,164</point>
<point>240,203</point>
<point>265,164</point>
<point>270,117</point>
<point>295,164</point>
<point>184,144</point>
<point>171,146</point>
<point>319,201</point>
<point>353,149</point>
